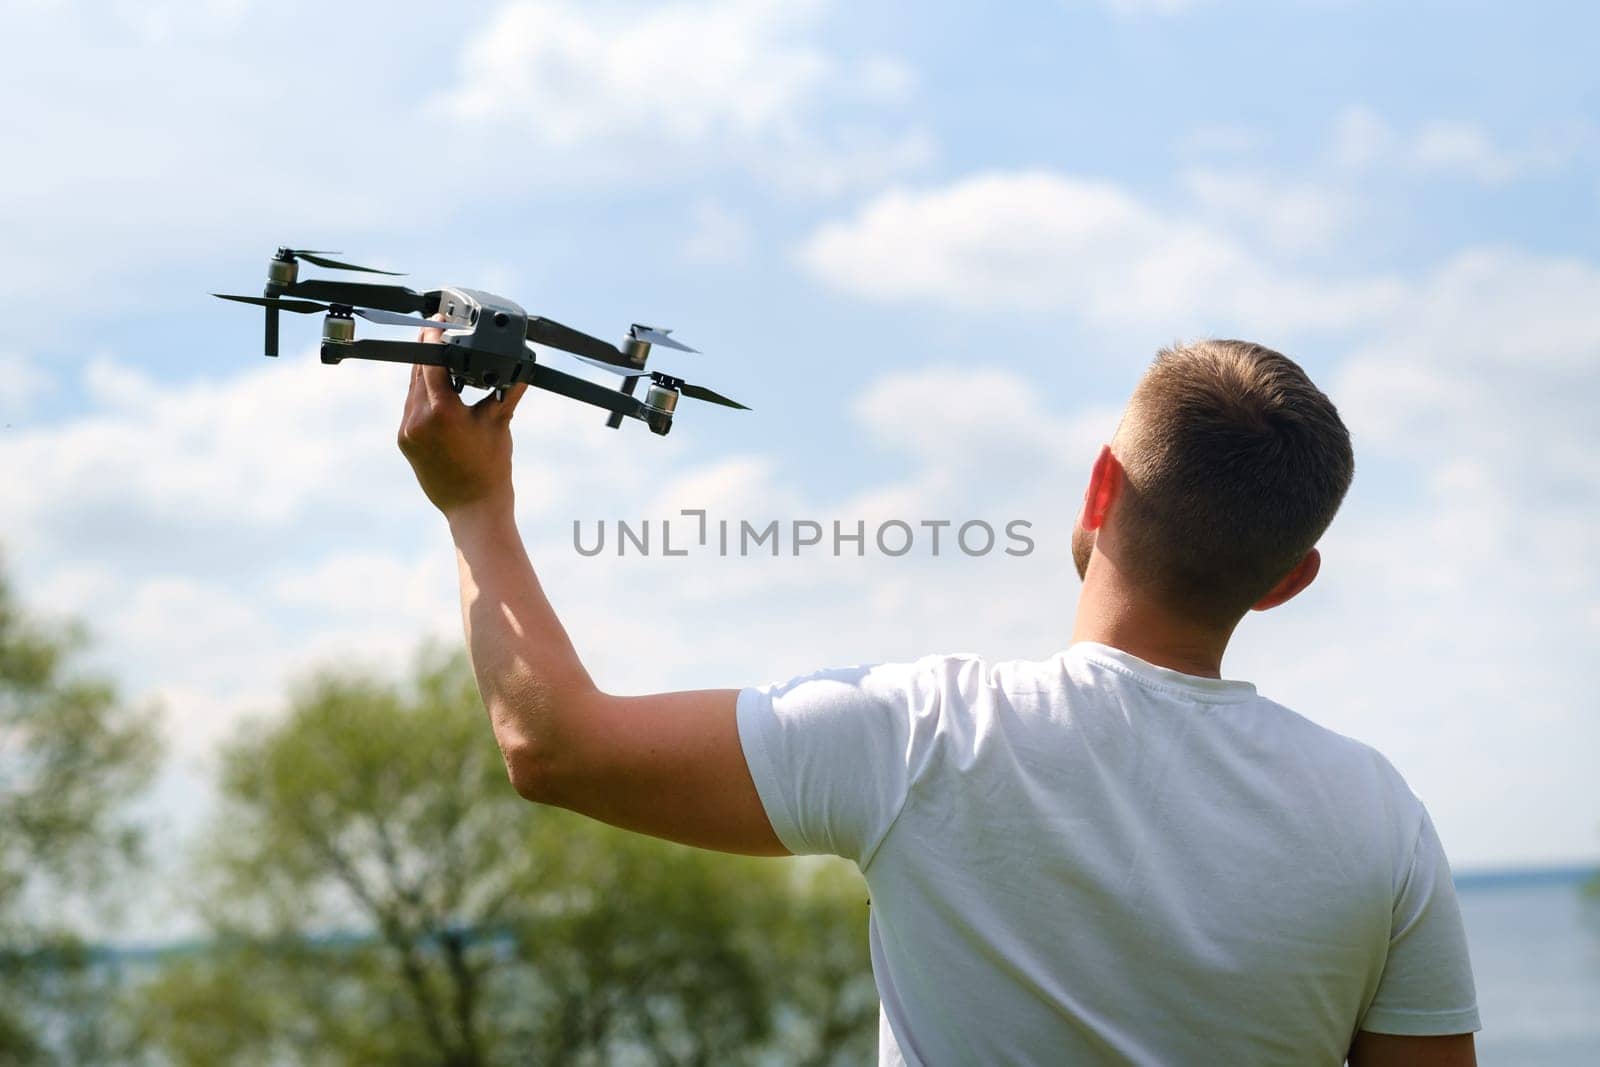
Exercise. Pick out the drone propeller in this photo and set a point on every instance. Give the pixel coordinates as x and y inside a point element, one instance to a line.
<point>308,307</point>
<point>626,372</point>
<point>300,307</point>
<point>317,256</point>
<point>334,264</point>
<point>651,335</point>
<point>698,392</point>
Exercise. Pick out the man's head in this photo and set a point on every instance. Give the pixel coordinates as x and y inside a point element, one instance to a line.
<point>1227,467</point>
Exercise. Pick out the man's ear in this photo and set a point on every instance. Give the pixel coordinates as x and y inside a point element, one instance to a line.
<point>1304,573</point>
<point>1105,482</point>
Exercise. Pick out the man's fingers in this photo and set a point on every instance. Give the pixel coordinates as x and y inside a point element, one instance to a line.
<point>436,383</point>
<point>435,380</point>
<point>493,407</point>
<point>508,406</point>
<point>499,409</point>
<point>429,334</point>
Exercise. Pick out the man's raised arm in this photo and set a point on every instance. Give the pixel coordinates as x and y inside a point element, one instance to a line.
<point>669,765</point>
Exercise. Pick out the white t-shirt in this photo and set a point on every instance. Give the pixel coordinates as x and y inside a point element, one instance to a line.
<point>1092,859</point>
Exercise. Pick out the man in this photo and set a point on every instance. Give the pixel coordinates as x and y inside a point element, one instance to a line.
<point>1111,856</point>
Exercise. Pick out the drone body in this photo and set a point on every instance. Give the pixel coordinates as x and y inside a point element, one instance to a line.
<point>485,336</point>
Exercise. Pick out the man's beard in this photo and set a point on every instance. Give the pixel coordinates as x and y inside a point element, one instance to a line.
<point>1082,547</point>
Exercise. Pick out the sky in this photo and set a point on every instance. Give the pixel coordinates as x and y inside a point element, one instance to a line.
<point>931,245</point>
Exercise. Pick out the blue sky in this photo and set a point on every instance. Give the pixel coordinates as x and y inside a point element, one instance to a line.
<point>931,244</point>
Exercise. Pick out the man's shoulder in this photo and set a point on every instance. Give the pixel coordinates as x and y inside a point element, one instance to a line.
<point>1328,743</point>
<point>1351,771</point>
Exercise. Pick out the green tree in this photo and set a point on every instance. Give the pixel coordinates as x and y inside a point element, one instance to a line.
<point>71,758</point>
<point>380,894</point>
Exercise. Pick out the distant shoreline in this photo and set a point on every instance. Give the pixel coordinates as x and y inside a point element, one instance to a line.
<point>1480,880</point>
<point>1523,877</point>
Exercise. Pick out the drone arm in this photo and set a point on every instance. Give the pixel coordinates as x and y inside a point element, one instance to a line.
<point>619,404</point>
<point>429,355</point>
<point>542,331</point>
<point>456,359</point>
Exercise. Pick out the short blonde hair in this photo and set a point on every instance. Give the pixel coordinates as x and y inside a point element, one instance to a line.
<point>1235,465</point>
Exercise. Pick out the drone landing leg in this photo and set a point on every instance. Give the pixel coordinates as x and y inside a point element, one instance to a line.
<point>615,419</point>
<point>271,341</point>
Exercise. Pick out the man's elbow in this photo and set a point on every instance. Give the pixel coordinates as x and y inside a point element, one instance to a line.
<point>530,769</point>
<point>535,731</point>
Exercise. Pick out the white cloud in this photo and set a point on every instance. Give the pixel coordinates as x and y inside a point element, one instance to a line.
<point>159,135</point>
<point>157,21</point>
<point>1464,148</point>
<point>962,423</point>
<point>1293,216</point>
<point>1360,139</point>
<point>1149,7</point>
<point>1492,346</point>
<point>1043,241</point>
<point>686,71</point>
<point>1494,364</point>
<point>1363,140</point>
<point>20,379</point>
<point>647,87</point>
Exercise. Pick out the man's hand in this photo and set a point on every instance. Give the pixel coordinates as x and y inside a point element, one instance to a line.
<point>461,454</point>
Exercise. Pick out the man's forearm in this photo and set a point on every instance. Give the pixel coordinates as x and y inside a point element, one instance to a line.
<point>528,672</point>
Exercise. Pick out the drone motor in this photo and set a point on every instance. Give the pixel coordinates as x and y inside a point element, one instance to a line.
<point>659,403</point>
<point>636,351</point>
<point>282,270</point>
<point>339,325</point>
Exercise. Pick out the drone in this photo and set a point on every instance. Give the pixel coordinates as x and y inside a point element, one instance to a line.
<point>486,339</point>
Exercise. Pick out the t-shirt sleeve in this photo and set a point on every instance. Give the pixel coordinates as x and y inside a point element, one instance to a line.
<point>1426,988</point>
<point>833,754</point>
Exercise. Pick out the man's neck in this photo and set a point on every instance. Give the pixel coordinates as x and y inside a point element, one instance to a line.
<point>1112,613</point>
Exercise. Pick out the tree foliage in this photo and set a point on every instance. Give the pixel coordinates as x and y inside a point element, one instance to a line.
<point>381,895</point>
<point>71,758</point>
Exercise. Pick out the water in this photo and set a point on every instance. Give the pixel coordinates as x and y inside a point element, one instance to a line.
<point>1535,944</point>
